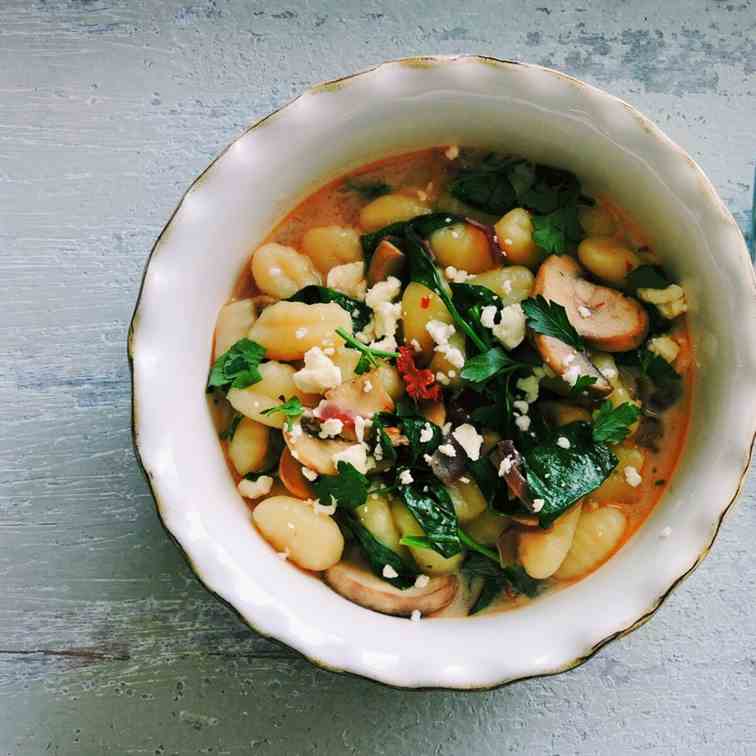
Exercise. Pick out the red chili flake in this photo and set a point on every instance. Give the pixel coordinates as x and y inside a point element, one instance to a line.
<point>420,384</point>
<point>425,302</point>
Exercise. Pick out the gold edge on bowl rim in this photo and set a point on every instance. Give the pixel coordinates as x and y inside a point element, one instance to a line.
<point>426,61</point>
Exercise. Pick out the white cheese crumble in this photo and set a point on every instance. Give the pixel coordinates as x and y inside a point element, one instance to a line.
<point>670,302</point>
<point>426,433</point>
<point>254,489</point>
<point>389,572</point>
<point>521,406</point>
<point>510,331</point>
<point>455,275</point>
<point>441,332</point>
<point>355,455</point>
<point>448,450</point>
<point>421,581</point>
<point>415,344</point>
<point>522,422</point>
<point>469,439</point>
<point>386,314</point>
<point>309,474</point>
<point>359,427</point>
<point>330,428</point>
<point>563,442</point>
<point>324,509</point>
<point>538,505</point>
<point>506,465</point>
<point>442,378</point>
<point>405,477</point>
<point>451,152</point>
<point>416,615</point>
<point>318,374</point>
<point>584,312</point>
<point>488,316</point>
<point>632,476</point>
<point>529,387</point>
<point>665,347</point>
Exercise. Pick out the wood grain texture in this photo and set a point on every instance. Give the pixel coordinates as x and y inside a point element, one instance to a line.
<point>107,643</point>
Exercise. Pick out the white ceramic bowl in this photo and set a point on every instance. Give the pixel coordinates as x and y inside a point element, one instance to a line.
<point>338,126</point>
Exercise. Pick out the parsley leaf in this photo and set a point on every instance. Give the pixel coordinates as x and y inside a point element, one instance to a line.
<point>412,429</point>
<point>581,385</point>
<point>554,232</point>
<point>291,409</point>
<point>657,368</point>
<point>358,311</point>
<point>432,507</point>
<point>550,319</point>
<point>488,364</point>
<point>612,425</point>
<point>491,186</point>
<point>496,578</point>
<point>368,190</point>
<point>378,554</point>
<point>368,357</point>
<point>237,367</point>
<point>228,434</point>
<point>349,488</point>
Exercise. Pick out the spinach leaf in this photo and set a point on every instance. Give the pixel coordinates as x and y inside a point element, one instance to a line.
<point>489,187</point>
<point>550,319</point>
<point>498,415</point>
<point>349,488</point>
<point>490,484</point>
<point>551,189</point>
<point>228,434</point>
<point>657,368</point>
<point>562,476</point>
<point>488,364</point>
<point>647,277</point>
<point>422,225</point>
<point>432,507</point>
<point>496,579</point>
<point>378,554</point>
<point>368,190</point>
<point>556,231</point>
<point>291,409</point>
<point>471,299</point>
<point>237,367</point>
<point>379,427</point>
<point>358,311</point>
<point>413,428</point>
<point>612,425</point>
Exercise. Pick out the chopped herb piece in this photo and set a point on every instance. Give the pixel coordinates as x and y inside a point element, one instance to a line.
<point>237,367</point>
<point>497,578</point>
<point>432,507</point>
<point>369,357</point>
<point>550,319</point>
<point>556,231</point>
<point>291,409</point>
<point>349,488</point>
<point>488,364</point>
<point>612,424</point>
<point>581,385</point>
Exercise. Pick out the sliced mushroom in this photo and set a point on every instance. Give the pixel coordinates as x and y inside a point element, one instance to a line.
<point>435,412</point>
<point>464,599</point>
<point>354,581</point>
<point>290,473</point>
<point>387,260</point>
<point>604,317</point>
<point>364,395</point>
<point>315,453</point>
<point>569,365</point>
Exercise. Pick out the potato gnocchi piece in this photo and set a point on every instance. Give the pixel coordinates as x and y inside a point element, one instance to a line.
<point>542,551</point>
<point>310,539</point>
<point>462,246</point>
<point>375,515</point>
<point>281,271</point>
<point>420,305</point>
<point>467,498</point>
<point>512,284</point>
<point>515,235</point>
<point>389,209</point>
<point>234,321</point>
<point>249,446</point>
<point>329,246</point>
<point>597,534</point>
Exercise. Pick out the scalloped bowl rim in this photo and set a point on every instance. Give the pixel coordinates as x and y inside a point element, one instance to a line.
<point>345,637</point>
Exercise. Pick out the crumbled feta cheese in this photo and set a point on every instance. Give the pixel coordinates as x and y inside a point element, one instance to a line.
<point>355,455</point>
<point>538,505</point>
<point>330,428</point>
<point>405,477</point>
<point>510,330</point>
<point>446,428</point>
<point>665,347</point>
<point>426,433</point>
<point>367,334</point>
<point>309,474</point>
<point>469,439</point>
<point>451,373</point>
<point>254,489</point>
<point>359,427</point>
<point>529,387</point>
<point>506,465</point>
<point>416,615</point>
<point>522,422</point>
<point>442,378</point>
<point>632,476</point>
<point>451,152</point>
<point>386,314</point>
<point>367,387</point>
<point>563,442</point>
<point>666,533</point>
<point>325,509</point>
<point>415,344</point>
<point>296,431</point>
<point>378,452</point>
<point>448,450</point>
<point>584,312</point>
<point>318,374</point>
<point>670,302</point>
<point>421,581</point>
<point>572,374</point>
<point>439,331</point>
<point>300,333</point>
<point>507,285</point>
<point>455,275</point>
<point>521,406</point>
<point>488,316</point>
<point>456,358</point>
<point>389,572</point>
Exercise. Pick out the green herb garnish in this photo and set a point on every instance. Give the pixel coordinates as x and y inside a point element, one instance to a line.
<point>349,488</point>
<point>237,367</point>
<point>581,385</point>
<point>556,231</point>
<point>611,425</point>
<point>291,409</point>
<point>488,364</point>
<point>432,507</point>
<point>369,357</point>
<point>550,319</point>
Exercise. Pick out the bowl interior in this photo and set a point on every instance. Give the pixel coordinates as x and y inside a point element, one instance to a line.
<point>328,131</point>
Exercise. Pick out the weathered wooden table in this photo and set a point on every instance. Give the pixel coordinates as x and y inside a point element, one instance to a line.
<point>107,643</point>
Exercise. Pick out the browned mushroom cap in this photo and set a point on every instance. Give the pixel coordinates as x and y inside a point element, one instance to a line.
<point>312,452</point>
<point>387,260</point>
<point>568,364</point>
<point>354,581</point>
<point>290,473</point>
<point>607,319</point>
<point>363,395</point>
